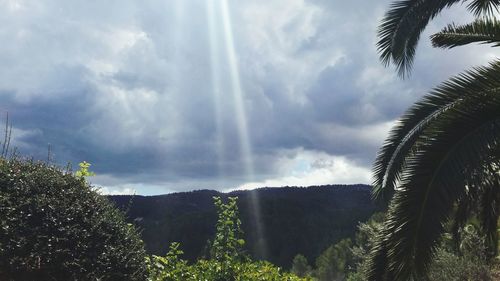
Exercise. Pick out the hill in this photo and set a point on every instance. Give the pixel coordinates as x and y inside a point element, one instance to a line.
<point>291,220</point>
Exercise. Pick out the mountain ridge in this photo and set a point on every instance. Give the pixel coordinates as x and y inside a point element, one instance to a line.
<point>291,220</point>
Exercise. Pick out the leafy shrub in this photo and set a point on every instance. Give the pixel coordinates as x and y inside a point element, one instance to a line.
<point>54,226</point>
<point>170,267</point>
<point>470,264</point>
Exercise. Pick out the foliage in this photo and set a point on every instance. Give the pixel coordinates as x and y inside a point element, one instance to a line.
<point>444,151</point>
<point>84,170</point>
<point>242,271</point>
<point>483,30</point>
<point>227,244</point>
<point>334,262</point>
<point>227,263</point>
<point>364,241</point>
<point>170,267</point>
<point>442,159</point>
<point>400,29</point>
<point>468,262</point>
<point>300,266</point>
<point>54,226</point>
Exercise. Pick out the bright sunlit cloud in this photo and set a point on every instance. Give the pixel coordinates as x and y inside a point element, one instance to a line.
<point>123,191</point>
<point>307,168</point>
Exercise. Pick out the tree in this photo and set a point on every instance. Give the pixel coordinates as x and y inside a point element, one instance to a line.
<point>469,264</point>
<point>300,266</point>
<point>442,159</point>
<point>227,245</point>
<point>334,262</point>
<point>54,226</point>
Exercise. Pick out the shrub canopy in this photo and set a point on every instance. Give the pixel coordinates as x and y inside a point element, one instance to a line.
<point>55,226</point>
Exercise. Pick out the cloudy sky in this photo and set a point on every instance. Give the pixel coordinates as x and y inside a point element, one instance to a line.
<point>164,96</point>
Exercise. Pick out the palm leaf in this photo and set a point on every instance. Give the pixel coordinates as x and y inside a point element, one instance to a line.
<point>391,159</point>
<point>429,189</point>
<point>435,174</point>
<point>479,7</point>
<point>401,27</point>
<point>481,31</point>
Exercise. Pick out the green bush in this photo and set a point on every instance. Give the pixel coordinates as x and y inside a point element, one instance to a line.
<point>54,226</point>
<point>470,263</point>
<point>173,268</point>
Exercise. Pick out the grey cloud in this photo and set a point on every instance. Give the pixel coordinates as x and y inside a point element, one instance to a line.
<point>129,86</point>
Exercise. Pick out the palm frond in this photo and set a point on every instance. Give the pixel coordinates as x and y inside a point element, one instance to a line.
<point>436,173</point>
<point>378,261</point>
<point>485,31</point>
<point>479,7</point>
<point>391,159</point>
<point>418,211</point>
<point>401,27</point>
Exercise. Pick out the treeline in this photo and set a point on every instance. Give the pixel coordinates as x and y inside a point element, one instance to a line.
<point>291,220</point>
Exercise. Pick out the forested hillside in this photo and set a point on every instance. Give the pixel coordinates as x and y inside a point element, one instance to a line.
<point>292,220</point>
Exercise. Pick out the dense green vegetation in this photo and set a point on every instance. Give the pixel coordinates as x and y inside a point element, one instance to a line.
<point>293,220</point>
<point>54,226</point>
<point>349,259</point>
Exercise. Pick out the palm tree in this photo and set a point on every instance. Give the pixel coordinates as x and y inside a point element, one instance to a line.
<point>442,160</point>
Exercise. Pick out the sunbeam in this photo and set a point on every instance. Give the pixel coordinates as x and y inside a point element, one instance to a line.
<point>237,92</point>
<point>241,118</point>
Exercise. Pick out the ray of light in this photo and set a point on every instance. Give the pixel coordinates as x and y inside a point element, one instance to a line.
<point>237,92</point>
<point>241,118</point>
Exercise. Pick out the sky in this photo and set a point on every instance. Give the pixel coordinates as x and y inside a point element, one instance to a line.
<point>165,96</point>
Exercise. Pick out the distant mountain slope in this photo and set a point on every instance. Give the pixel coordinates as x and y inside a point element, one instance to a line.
<point>292,219</point>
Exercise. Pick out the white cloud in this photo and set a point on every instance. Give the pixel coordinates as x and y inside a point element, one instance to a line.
<point>301,167</point>
<point>116,191</point>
